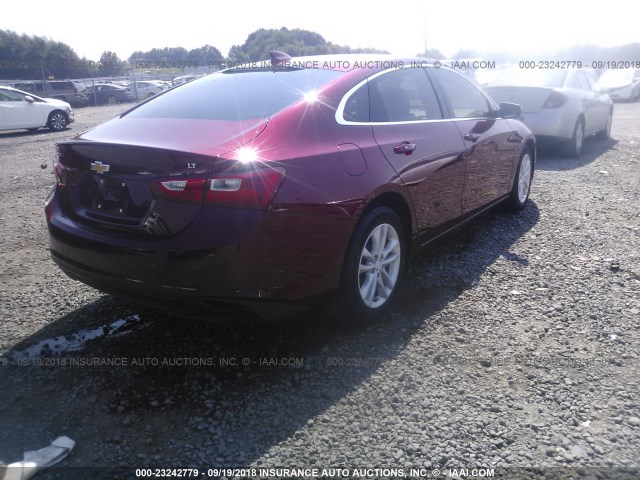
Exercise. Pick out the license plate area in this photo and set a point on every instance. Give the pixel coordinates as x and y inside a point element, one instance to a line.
<point>109,199</point>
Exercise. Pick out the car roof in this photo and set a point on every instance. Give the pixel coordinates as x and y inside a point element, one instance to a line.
<point>344,62</point>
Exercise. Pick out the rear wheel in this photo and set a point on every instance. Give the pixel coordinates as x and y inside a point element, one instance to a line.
<point>604,134</point>
<point>57,121</point>
<point>373,267</point>
<point>522,182</point>
<point>573,147</point>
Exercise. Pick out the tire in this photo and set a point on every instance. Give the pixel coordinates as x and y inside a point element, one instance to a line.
<point>606,133</point>
<point>112,100</point>
<point>522,182</point>
<point>372,269</point>
<point>573,147</point>
<point>57,121</point>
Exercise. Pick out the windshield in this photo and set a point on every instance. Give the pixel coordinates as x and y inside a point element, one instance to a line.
<point>236,95</point>
<point>531,78</point>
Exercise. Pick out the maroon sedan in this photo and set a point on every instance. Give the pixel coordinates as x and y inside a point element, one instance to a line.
<point>281,185</point>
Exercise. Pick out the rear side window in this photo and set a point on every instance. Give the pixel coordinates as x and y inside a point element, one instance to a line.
<point>61,85</point>
<point>237,95</point>
<point>465,99</point>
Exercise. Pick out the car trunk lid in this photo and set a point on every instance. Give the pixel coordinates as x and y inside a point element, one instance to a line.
<point>144,179</point>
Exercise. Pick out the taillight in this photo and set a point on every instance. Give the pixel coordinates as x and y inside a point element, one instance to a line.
<point>254,188</point>
<point>182,190</point>
<point>58,170</point>
<point>555,100</point>
<point>60,174</point>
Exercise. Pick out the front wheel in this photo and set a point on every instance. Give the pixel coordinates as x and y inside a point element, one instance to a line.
<point>57,121</point>
<point>111,100</point>
<point>522,182</point>
<point>373,267</point>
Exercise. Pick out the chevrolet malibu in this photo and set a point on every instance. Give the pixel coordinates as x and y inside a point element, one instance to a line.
<point>283,185</point>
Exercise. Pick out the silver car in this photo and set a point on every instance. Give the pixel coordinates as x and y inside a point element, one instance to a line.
<point>620,84</point>
<point>558,104</point>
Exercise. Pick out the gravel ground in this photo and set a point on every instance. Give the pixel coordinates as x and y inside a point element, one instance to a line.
<point>512,344</point>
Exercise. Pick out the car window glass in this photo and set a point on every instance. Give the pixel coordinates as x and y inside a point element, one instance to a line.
<point>238,94</point>
<point>356,108</point>
<point>402,95</point>
<point>465,99</point>
<point>591,83</point>
<point>11,96</point>
<point>573,82</point>
<point>530,78</point>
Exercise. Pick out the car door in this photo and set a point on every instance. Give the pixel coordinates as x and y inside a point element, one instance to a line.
<point>422,147</point>
<point>489,142</point>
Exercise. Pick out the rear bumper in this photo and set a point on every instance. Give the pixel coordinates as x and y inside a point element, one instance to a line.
<point>184,302</point>
<point>551,122</point>
<point>269,262</point>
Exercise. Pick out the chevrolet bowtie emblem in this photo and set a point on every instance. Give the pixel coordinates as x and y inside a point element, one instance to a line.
<point>99,167</point>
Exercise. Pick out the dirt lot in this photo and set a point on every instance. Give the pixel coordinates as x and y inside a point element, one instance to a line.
<point>512,344</point>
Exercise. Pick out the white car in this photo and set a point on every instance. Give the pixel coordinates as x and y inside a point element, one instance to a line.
<point>184,79</point>
<point>20,109</point>
<point>146,89</point>
<point>559,104</point>
<point>620,84</point>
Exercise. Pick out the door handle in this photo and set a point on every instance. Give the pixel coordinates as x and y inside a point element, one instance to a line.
<point>404,148</point>
<point>472,137</point>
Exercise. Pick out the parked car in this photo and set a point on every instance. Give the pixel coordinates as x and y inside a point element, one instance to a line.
<point>103,93</point>
<point>621,84</point>
<point>24,110</point>
<point>184,79</point>
<point>559,104</point>
<point>70,91</point>
<point>282,187</point>
<point>145,89</point>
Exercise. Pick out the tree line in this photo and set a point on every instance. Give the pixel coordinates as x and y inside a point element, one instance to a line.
<point>26,57</point>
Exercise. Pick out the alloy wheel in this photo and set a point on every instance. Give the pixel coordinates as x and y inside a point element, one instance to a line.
<point>379,265</point>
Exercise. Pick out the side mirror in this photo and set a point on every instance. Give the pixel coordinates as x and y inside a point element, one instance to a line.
<point>509,110</point>
<point>29,98</point>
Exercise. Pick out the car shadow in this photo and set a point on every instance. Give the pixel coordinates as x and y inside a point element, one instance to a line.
<point>232,389</point>
<point>27,133</point>
<point>550,157</point>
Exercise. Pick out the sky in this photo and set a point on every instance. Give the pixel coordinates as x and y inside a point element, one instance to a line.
<point>402,27</point>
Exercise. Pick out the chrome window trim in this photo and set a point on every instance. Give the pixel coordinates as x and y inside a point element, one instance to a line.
<point>339,116</point>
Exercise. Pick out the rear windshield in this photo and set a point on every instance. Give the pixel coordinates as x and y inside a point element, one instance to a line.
<point>616,78</point>
<point>531,78</point>
<point>236,95</point>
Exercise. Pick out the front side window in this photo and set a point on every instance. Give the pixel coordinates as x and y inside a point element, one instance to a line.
<point>465,99</point>
<point>11,96</point>
<point>402,95</point>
